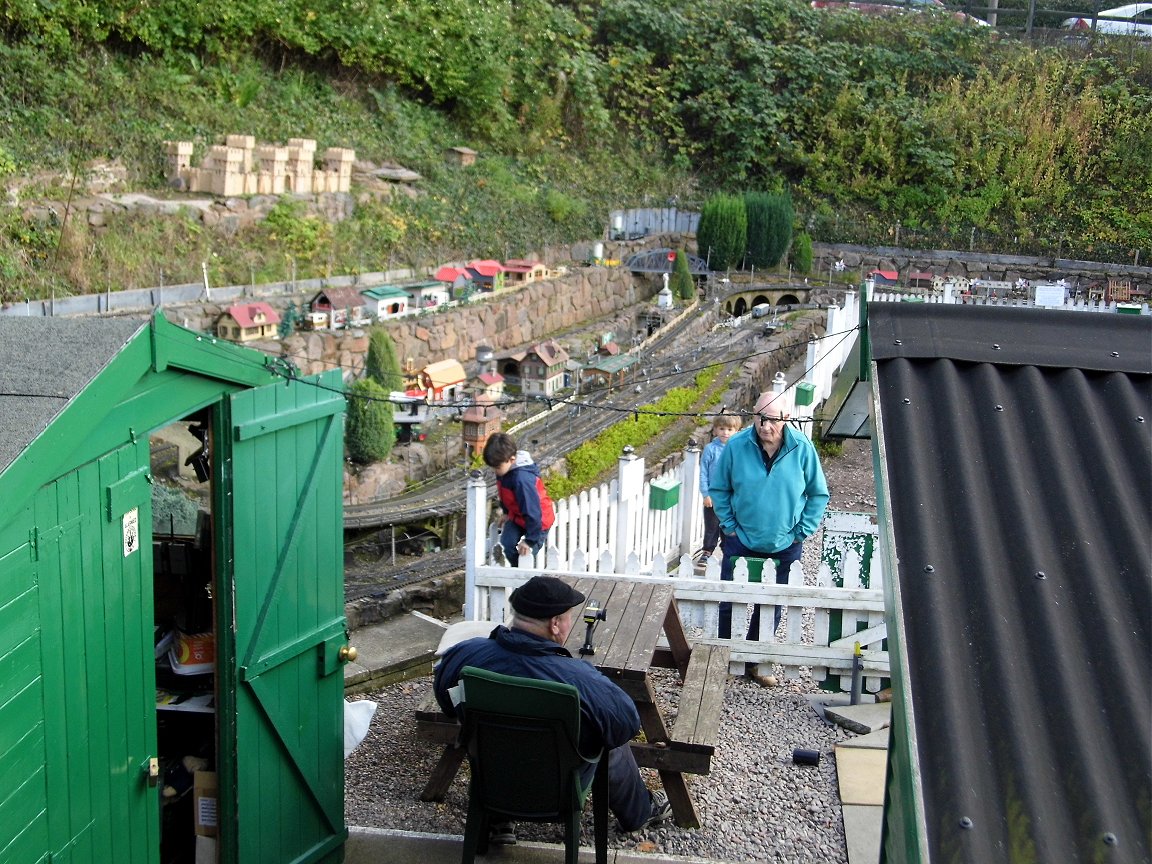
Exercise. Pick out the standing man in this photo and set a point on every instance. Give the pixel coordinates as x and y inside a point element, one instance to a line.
<point>544,609</point>
<point>769,493</point>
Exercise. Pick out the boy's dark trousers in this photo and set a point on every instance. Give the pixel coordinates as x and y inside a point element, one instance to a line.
<point>510,536</point>
<point>711,530</point>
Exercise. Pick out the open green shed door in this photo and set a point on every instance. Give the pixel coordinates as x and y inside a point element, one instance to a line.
<point>282,773</point>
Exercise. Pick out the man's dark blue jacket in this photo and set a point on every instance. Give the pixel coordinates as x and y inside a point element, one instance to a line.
<point>608,716</point>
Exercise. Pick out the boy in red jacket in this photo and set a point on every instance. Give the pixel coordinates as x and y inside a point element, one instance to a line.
<point>528,511</point>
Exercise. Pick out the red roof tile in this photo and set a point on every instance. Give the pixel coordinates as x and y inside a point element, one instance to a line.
<point>246,314</point>
<point>487,267</point>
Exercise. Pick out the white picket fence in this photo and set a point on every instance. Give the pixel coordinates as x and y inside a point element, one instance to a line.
<point>612,531</point>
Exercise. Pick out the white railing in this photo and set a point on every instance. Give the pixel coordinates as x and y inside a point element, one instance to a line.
<point>611,531</point>
<point>948,295</point>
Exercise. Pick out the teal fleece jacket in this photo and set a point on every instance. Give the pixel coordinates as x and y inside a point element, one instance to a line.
<point>769,511</point>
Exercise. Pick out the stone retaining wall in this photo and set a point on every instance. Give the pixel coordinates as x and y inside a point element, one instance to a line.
<point>510,319</point>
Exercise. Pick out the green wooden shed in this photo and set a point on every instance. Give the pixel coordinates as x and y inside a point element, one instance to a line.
<point>143,664</point>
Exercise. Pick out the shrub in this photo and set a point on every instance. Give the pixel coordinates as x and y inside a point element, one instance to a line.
<point>682,285</point>
<point>722,236</point>
<point>381,365</point>
<point>802,253</point>
<point>769,227</point>
<point>369,436</point>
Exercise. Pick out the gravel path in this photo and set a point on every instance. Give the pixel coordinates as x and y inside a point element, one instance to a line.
<point>756,805</point>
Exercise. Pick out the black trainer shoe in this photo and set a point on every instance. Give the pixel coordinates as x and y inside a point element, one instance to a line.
<point>502,834</point>
<point>661,809</point>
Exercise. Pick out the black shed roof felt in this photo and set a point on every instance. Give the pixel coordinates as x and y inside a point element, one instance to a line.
<point>44,364</point>
<point>1016,469</point>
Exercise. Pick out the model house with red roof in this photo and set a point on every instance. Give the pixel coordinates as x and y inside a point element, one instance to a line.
<point>246,322</point>
<point>922,280</point>
<point>488,385</point>
<point>456,278</point>
<point>520,271</point>
<point>884,277</point>
<point>487,274</point>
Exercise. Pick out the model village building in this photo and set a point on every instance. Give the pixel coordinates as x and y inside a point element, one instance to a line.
<point>247,322</point>
<point>240,167</point>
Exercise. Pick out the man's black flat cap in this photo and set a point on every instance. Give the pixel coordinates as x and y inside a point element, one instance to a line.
<point>544,597</point>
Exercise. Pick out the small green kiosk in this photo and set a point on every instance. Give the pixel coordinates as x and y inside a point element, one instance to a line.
<point>169,692</point>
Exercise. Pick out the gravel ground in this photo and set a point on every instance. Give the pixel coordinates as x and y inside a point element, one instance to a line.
<point>756,805</point>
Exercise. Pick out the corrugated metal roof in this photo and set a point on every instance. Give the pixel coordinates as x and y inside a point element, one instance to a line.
<point>1016,454</point>
<point>44,364</point>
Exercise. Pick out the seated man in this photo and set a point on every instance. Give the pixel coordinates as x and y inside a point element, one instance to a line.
<point>543,614</point>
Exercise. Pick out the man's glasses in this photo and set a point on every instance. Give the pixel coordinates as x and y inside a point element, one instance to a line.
<point>766,420</point>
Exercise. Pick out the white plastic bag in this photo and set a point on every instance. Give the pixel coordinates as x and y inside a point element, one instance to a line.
<point>357,718</point>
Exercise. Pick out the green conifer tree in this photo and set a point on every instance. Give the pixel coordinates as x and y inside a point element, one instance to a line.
<point>802,253</point>
<point>769,227</point>
<point>722,235</point>
<point>381,364</point>
<point>369,435</point>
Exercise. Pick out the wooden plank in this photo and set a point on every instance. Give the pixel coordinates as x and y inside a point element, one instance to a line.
<point>677,641</point>
<point>683,810</point>
<point>671,757</point>
<point>627,604</point>
<point>651,720</point>
<point>658,601</point>
<point>443,774</point>
<point>433,725</point>
<point>702,698</point>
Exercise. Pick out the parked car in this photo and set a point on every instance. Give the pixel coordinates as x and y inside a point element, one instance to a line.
<point>1135,19</point>
<point>895,7</point>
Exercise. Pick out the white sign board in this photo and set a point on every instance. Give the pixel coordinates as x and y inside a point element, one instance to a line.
<point>131,522</point>
<point>1049,295</point>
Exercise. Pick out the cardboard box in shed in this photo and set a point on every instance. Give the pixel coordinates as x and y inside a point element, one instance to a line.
<point>204,803</point>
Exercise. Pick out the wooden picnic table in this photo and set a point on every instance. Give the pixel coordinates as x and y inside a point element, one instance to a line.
<point>626,646</point>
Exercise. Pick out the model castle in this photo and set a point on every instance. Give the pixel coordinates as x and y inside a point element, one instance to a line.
<point>239,167</point>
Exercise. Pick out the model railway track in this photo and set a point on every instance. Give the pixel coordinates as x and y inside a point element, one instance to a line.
<point>387,577</point>
<point>551,437</point>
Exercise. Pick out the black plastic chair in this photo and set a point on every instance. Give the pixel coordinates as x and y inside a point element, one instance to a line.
<point>522,737</point>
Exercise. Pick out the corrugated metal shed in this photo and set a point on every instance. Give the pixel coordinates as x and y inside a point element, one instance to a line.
<point>1014,454</point>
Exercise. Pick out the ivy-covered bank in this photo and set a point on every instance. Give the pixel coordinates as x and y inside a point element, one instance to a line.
<point>876,126</point>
